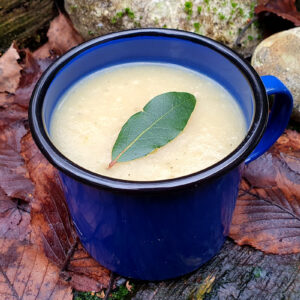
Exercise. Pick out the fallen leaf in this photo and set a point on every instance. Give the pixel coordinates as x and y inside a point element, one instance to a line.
<point>14,218</point>
<point>31,72</point>
<point>282,8</point>
<point>267,213</point>
<point>52,227</point>
<point>26,273</point>
<point>61,37</point>
<point>9,70</point>
<point>84,266</point>
<point>14,179</point>
<point>6,99</point>
<point>11,114</point>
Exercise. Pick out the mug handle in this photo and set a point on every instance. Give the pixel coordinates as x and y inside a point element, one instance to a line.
<point>278,117</point>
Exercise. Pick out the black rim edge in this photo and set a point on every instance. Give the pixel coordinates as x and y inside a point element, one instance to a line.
<point>231,161</point>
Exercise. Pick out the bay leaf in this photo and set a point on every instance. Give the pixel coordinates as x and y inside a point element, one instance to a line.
<point>161,120</point>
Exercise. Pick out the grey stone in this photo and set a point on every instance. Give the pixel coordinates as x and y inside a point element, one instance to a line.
<point>279,55</point>
<point>221,20</point>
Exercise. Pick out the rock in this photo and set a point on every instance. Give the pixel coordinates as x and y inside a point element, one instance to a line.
<point>279,55</point>
<point>221,20</point>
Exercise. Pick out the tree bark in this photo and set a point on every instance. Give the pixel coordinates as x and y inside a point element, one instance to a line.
<point>235,273</point>
<point>24,20</point>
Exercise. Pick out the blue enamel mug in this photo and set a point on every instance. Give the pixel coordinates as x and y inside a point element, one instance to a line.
<point>159,229</point>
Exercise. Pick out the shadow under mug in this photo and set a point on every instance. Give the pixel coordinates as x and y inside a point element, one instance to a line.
<point>160,229</point>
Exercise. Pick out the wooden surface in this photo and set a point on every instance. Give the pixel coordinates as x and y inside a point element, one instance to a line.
<point>21,20</point>
<point>235,273</point>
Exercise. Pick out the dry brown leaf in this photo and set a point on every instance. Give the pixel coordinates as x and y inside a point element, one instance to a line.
<point>31,72</point>
<point>14,218</point>
<point>14,179</point>
<point>282,8</point>
<point>52,226</point>
<point>9,70</point>
<point>86,272</point>
<point>11,114</point>
<point>6,99</point>
<point>26,273</point>
<point>61,37</point>
<point>267,213</point>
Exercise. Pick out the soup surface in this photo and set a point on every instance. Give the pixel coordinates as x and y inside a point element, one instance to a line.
<point>90,115</point>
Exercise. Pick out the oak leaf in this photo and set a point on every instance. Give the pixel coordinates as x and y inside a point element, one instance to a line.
<point>9,70</point>
<point>282,8</point>
<point>267,213</point>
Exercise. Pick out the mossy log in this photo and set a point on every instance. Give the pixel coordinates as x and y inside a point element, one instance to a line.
<point>235,273</point>
<point>24,21</point>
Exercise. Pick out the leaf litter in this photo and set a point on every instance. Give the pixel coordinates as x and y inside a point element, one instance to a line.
<point>36,235</point>
<point>285,9</point>
<point>40,256</point>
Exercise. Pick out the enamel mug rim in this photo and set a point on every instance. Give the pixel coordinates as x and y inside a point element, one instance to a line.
<point>231,161</point>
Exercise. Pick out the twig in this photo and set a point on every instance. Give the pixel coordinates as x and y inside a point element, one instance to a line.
<point>110,285</point>
<point>242,33</point>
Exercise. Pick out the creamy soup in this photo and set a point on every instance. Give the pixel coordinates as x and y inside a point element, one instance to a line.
<point>89,117</point>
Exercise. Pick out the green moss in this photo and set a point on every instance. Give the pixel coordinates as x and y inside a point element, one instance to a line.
<point>114,20</point>
<point>199,9</point>
<point>84,296</point>
<point>197,26</point>
<point>241,12</point>
<point>250,37</point>
<point>129,13</point>
<point>188,8</point>
<point>221,17</point>
<point>251,13</point>
<point>233,4</point>
<point>122,293</point>
<point>120,14</point>
<point>206,1</point>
